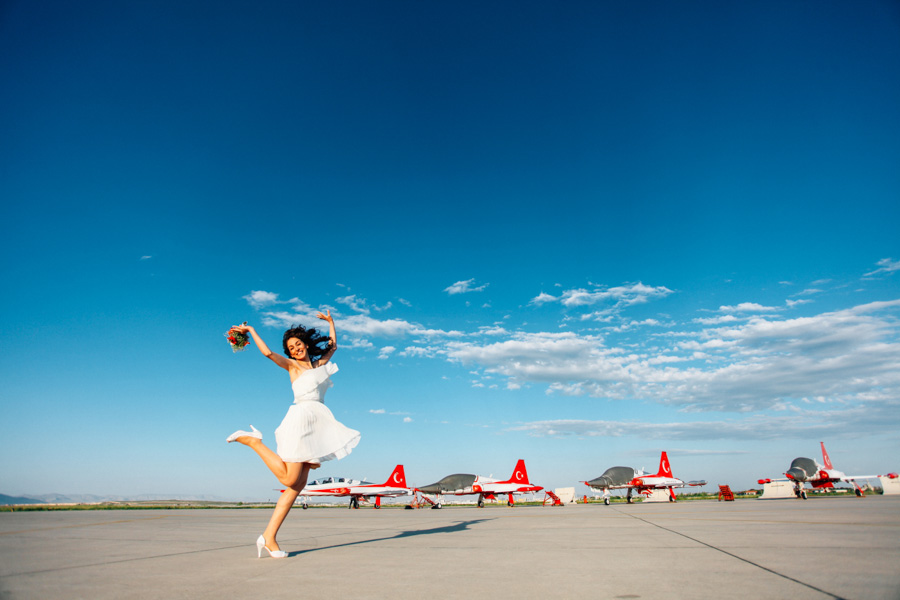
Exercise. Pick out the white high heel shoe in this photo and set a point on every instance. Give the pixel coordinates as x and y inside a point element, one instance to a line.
<point>254,433</point>
<point>261,545</point>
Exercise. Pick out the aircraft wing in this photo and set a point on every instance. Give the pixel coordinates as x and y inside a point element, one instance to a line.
<point>381,491</point>
<point>661,486</point>
<point>334,491</point>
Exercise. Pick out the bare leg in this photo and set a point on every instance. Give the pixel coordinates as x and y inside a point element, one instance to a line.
<point>285,472</point>
<point>284,504</point>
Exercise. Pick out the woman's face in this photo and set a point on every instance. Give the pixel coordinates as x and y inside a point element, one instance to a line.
<point>297,349</point>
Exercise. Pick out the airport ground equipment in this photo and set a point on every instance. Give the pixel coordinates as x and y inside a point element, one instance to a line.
<point>725,493</point>
<point>659,496</point>
<point>890,483</point>
<point>566,494</point>
<point>552,498</point>
<point>776,490</point>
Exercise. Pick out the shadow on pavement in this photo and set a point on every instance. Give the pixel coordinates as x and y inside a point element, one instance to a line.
<point>460,526</point>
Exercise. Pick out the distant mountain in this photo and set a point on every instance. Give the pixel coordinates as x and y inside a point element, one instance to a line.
<point>4,500</point>
<point>73,498</point>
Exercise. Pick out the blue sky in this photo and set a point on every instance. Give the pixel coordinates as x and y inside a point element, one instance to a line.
<point>574,234</point>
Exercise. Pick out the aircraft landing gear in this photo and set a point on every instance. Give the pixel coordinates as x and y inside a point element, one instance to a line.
<point>606,501</point>
<point>803,494</point>
<point>480,502</point>
<point>305,506</point>
<point>437,505</point>
<point>354,502</point>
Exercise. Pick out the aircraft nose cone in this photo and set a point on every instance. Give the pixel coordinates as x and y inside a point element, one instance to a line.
<point>600,482</point>
<point>796,473</point>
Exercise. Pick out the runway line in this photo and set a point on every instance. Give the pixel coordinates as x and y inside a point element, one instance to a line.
<point>749,562</point>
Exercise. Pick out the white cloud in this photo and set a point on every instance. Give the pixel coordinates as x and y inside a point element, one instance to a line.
<point>355,342</point>
<point>492,330</point>
<point>377,411</point>
<point>288,319</point>
<point>841,356</point>
<point>617,298</point>
<point>543,298</point>
<point>747,307</point>
<point>746,359</point>
<point>354,304</point>
<point>464,287</point>
<point>814,424</point>
<point>358,325</point>
<point>146,257</point>
<point>365,325</point>
<point>259,298</point>
<point>636,293</point>
<point>717,320</point>
<point>407,420</point>
<point>632,324</point>
<point>421,351</point>
<point>792,303</point>
<point>361,305</point>
<point>885,265</point>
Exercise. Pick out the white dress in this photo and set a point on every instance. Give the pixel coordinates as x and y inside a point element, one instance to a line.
<point>309,432</point>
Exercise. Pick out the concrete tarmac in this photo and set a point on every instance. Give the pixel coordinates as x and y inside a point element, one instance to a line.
<point>820,548</point>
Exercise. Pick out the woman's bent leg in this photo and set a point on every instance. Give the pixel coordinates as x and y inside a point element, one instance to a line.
<point>278,467</point>
<point>300,471</point>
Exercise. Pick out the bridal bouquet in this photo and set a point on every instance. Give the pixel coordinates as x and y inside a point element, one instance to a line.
<point>238,341</point>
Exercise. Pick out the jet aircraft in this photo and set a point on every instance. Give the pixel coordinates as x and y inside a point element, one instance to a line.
<point>461,484</point>
<point>617,478</point>
<point>356,490</point>
<point>806,470</point>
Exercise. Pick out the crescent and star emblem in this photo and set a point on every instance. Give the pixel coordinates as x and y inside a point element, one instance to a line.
<point>397,478</point>
<point>518,476</point>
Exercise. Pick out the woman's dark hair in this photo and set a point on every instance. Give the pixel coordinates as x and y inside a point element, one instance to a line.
<point>317,345</point>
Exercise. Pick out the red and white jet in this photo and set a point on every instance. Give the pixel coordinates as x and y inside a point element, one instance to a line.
<point>806,470</point>
<point>617,478</point>
<point>356,490</point>
<point>463,483</point>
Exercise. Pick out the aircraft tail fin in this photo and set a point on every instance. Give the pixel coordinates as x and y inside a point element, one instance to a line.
<point>520,475</point>
<point>665,469</point>
<point>397,478</point>
<point>825,457</point>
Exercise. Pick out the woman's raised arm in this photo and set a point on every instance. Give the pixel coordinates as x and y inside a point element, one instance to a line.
<point>276,358</point>
<point>326,316</point>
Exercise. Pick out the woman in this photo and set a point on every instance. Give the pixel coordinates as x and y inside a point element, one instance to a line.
<point>309,433</point>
